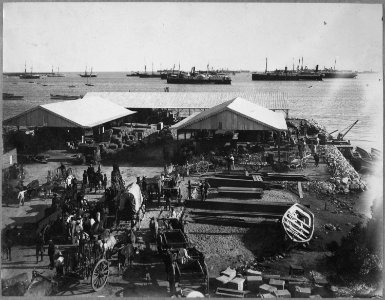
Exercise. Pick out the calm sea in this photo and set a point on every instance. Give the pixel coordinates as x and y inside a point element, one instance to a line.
<point>334,103</point>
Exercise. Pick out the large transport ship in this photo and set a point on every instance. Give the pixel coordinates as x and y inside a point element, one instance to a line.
<point>194,78</point>
<point>289,75</point>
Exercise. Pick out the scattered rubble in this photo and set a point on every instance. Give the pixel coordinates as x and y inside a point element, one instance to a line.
<point>254,281</point>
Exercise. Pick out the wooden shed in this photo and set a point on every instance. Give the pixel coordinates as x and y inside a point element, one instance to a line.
<point>237,114</point>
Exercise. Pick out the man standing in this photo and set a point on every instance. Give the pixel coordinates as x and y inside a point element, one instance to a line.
<point>51,253</point>
<point>189,190</point>
<point>21,197</point>
<point>316,159</point>
<point>39,247</point>
<point>232,161</point>
<point>85,177</point>
<point>206,189</point>
<point>201,189</point>
<point>105,181</point>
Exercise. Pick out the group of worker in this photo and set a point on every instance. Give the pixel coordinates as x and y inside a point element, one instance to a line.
<point>94,180</point>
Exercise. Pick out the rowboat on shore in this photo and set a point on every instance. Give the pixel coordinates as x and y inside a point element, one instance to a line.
<point>298,222</point>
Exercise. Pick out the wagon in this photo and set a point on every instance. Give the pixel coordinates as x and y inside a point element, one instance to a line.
<point>184,264</point>
<point>83,261</point>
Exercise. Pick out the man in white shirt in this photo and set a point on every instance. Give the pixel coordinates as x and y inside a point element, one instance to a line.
<point>21,197</point>
<point>232,161</point>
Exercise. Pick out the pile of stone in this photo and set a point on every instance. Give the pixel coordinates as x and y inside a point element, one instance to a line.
<point>255,283</point>
<point>344,178</point>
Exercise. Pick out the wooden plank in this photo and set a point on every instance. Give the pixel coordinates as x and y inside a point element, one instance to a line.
<point>231,292</point>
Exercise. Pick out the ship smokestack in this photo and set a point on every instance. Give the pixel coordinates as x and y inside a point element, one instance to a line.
<point>266,66</point>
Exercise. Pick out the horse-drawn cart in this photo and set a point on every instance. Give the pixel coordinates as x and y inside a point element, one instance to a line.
<point>89,260</point>
<point>184,264</point>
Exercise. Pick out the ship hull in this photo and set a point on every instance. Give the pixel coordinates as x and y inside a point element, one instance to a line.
<point>56,75</point>
<point>197,81</point>
<point>82,75</point>
<point>339,75</point>
<point>29,76</point>
<point>285,77</point>
<point>149,76</point>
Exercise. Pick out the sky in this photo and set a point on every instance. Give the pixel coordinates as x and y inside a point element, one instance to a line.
<point>127,36</point>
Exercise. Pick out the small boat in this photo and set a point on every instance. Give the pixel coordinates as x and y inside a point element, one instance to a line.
<point>65,97</point>
<point>72,86</point>
<point>8,96</point>
<point>376,154</point>
<point>298,222</point>
<point>89,84</point>
<point>364,154</point>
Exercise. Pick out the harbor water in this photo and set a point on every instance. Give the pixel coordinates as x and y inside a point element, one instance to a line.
<point>334,103</point>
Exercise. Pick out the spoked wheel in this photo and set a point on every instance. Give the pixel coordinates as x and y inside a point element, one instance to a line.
<point>202,167</point>
<point>100,275</point>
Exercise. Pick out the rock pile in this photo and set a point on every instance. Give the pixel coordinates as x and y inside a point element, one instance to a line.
<point>344,178</point>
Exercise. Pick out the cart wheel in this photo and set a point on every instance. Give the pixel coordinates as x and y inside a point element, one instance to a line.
<point>100,275</point>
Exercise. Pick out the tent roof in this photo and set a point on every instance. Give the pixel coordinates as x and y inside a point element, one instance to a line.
<point>86,113</point>
<point>251,111</point>
<point>192,100</point>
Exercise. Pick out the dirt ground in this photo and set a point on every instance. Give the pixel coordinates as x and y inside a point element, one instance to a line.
<point>231,241</point>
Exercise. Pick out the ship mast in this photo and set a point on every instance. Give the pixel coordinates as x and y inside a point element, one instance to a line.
<point>266,66</point>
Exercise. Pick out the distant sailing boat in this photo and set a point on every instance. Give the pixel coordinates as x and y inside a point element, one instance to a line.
<point>89,84</point>
<point>53,74</point>
<point>28,76</point>
<point>88,75</point>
